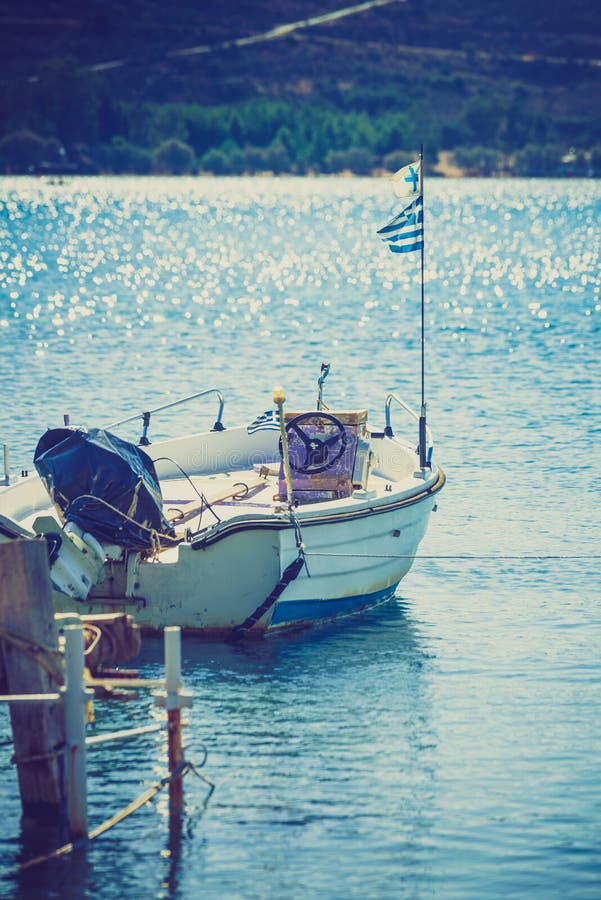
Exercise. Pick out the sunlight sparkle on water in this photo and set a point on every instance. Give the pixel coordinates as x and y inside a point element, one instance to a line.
<point>446,745</point>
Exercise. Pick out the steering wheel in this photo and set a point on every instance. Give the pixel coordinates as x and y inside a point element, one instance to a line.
<point>310,452</point>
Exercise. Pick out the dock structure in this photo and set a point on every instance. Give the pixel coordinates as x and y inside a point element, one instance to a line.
<point>48,690</point>
<point>30,665</point>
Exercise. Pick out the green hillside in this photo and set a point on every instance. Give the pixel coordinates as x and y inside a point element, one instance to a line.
<point>301,85</point>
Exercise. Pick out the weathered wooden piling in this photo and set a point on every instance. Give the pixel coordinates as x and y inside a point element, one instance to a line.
<point>48,693</point>
<point>28,655</point>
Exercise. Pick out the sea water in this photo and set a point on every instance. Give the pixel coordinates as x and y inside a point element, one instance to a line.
<point>447,744</point>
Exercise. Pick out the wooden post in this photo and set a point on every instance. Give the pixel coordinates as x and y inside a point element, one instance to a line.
<point>26,611</point>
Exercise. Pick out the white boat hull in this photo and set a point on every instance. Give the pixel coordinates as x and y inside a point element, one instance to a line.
<point>231,576</point>
<point>353,565</point>
<point>213,587</point>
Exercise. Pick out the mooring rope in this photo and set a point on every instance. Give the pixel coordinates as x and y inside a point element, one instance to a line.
<point>155,538</point>
<point>204,503</point>
<point>460,556</point>
<point>151,792</point>
<point>49,658</point>
<point>40,757</point>
<point>300,544</point>
<point>96,633</point>
<point>290,573</point>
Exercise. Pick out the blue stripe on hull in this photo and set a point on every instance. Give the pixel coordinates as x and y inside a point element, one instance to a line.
<point>290,612</point>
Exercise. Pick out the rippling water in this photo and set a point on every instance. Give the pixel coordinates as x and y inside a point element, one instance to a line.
<point>448,744</point>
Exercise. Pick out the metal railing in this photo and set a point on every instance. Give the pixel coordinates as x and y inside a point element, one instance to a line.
<point>145,416</point>
<point>388,428</point>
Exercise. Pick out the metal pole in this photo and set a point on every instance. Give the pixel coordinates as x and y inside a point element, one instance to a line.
<point>173,684</point>
<point>173,664</point>
<point>157,409</point>
<point>75,732</point>
<point>422,418</point>
<point>6,463</point>
<point>325,371</point>
<point>173,698</point>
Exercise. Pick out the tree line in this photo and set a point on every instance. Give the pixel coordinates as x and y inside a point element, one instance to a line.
<point>69,120</point>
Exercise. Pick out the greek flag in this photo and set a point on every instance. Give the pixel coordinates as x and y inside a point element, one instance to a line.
<point>267,421</point>
<point>406,231</point>
<point>407,182</point>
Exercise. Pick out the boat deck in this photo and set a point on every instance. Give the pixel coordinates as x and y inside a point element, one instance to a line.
<point>200,501</point>
<point>189,501</point>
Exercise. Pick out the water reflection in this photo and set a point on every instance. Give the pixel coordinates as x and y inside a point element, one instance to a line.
<point>291,723</point>
<point>387,630</point>
<point>67,877</point>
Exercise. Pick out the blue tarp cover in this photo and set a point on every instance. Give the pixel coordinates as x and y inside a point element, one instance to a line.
<point>103,484</point>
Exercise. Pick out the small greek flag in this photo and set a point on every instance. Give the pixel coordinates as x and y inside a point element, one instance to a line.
<point>267,421</point>
<point>406,231</point>
<point>407,182</point>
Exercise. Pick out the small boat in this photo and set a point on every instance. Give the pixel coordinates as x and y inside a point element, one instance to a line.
<point>289,520</point>
<point>293,518</point>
